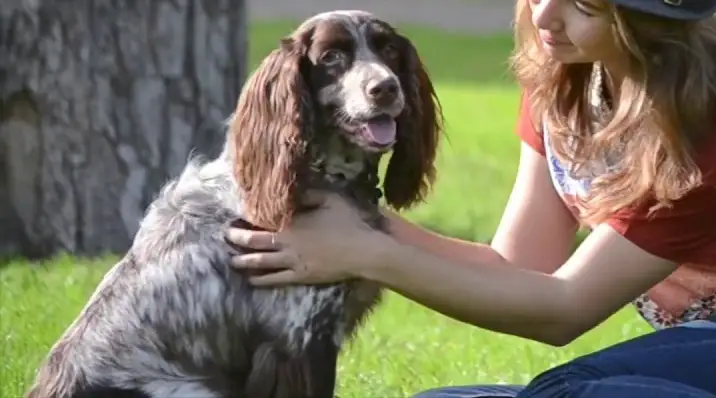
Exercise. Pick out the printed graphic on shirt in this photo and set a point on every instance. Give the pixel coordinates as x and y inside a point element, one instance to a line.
<point>568,186</point>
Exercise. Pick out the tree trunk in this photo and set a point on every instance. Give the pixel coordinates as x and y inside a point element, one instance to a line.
<point>101,101</point>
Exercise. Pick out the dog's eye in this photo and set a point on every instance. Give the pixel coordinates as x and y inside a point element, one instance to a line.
<point>390,51</point>
<point>332,57</point>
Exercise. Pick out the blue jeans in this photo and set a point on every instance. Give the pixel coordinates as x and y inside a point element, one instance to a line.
<point>678,362</point>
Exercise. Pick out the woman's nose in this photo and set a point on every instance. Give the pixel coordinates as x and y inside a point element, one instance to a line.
<point>547,14</point>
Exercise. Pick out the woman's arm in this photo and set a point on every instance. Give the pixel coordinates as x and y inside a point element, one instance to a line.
<point>536,230</point>
<point>469,282</point>
<point>464,281</point>
<point>442,246</point>
<point>554,309</point>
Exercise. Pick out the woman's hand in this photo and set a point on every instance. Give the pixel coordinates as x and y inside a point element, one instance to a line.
<point>328,244</point>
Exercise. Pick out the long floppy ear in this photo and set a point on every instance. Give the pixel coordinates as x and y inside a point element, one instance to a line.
<point>269,136</point>
<point>411,170</point>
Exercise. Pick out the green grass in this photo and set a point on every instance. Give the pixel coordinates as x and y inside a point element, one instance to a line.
<point>404,347</point>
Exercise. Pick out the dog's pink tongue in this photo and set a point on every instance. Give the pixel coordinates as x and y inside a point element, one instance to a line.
<point>380,130</point>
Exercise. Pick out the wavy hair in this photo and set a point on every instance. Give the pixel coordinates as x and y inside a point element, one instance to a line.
<point>665,107</point>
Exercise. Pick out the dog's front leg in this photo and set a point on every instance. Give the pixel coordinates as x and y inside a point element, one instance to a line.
<point>321,358</point>
<point>310,374</point>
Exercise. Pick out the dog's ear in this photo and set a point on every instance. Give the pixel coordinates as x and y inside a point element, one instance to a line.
<point>411,169</point>
<point>269,135</point>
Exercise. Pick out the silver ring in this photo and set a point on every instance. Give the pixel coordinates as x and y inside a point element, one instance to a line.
<point>273,241</point>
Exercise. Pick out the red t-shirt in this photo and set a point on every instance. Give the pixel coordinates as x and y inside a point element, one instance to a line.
<point>684,233</point>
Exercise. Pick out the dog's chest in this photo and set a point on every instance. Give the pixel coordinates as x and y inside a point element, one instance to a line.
<point>306,313</point>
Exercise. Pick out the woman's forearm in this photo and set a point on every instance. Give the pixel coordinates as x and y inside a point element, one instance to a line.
<point>508,300</point>
<point>442,246</point>
<point>451,276</point>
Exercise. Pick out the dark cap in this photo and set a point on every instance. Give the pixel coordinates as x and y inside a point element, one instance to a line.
<point>675,9</point>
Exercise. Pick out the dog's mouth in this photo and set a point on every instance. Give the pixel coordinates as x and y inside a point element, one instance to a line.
<point>375,132</point>
<point>379,131</point>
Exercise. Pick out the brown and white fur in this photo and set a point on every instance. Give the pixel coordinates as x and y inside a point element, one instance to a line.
<point>172,319</point>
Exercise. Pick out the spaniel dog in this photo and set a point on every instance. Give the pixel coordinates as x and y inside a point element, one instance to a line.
<point>171,319</point>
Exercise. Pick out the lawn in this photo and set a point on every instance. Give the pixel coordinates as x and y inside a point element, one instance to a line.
<point>404,348</point>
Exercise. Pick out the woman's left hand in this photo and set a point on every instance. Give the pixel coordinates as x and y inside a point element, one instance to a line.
<point>328,244</point>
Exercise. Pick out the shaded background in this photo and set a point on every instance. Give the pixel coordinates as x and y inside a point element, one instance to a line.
<point>103,100</point>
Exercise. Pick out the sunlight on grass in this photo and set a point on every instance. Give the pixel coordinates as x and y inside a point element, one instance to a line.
<point>404,347</point>
<point>476,164</point>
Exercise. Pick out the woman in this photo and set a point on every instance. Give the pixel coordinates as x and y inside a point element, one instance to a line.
<point>624,142</point>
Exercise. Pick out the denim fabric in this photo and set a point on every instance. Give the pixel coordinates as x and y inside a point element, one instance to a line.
<point>678,362</point>
<point>483,391</point>
<point>700,324</point>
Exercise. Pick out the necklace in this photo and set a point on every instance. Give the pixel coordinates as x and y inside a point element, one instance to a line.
<point>600,112</point>
<point>599,106</point>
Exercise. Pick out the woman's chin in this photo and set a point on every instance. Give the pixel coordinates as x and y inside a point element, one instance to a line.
<point>565,53</point>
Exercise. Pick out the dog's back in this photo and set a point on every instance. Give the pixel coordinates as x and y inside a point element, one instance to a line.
<point>172,320</point>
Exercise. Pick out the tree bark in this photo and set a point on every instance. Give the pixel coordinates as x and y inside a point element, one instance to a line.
<point>101,101</point>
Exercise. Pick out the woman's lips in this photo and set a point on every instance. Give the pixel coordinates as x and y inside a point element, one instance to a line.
<point>553,41</point>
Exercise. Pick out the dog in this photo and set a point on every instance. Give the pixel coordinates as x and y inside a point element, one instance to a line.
<point>172,319</point>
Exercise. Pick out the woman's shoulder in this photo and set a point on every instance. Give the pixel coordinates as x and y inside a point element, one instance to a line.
<point>684,231</point>
<point>527,128</point>
<point>531,132</point>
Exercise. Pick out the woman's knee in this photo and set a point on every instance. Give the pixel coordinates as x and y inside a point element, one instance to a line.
<point>563,380</point>
<point>445,392</point>
<point>563,383</point>
<point>584,378</point>
<point>554,382</point>
<point>476,391</point>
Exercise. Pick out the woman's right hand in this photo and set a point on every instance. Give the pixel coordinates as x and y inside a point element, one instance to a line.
<point>324,245</point>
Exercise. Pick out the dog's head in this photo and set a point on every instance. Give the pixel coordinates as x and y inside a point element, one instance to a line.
<point>345,71</point>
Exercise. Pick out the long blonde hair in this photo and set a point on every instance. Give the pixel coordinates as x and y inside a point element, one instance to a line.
<point>666,105</point>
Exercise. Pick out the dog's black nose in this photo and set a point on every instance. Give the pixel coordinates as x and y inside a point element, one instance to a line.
<point>383,91</point>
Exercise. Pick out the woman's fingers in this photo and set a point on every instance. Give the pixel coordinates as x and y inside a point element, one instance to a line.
<point>256,240</point>
<point>243,224</point>
<point>265,261</point>
<point>285,277</point>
